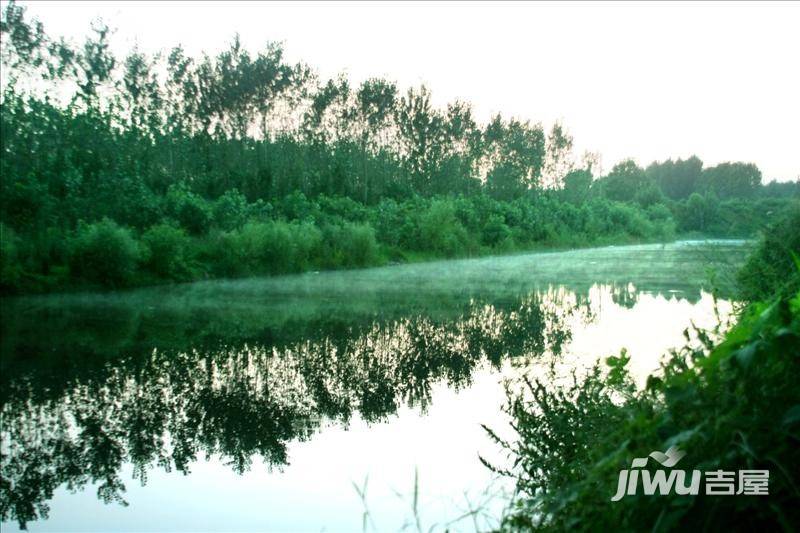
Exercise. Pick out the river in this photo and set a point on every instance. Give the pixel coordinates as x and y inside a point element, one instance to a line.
<point>323,401</point>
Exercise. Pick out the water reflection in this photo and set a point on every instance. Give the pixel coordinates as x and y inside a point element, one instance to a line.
<point>92,385</point>
<point>80,421</point>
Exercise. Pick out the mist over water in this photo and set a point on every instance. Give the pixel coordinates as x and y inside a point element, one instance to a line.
<point>257,404</point>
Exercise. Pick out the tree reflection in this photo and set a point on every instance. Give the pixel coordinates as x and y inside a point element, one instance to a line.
<point>122,387</point>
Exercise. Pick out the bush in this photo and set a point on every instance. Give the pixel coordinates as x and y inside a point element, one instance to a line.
<point>296,206</point>
<point>168,252</point>
<point>191,211</point>
<point>274,247</point>
<point>698,213</point>
<point>495,231</point>
<point>10,266</point>
<point>341,208</point>
<point>441,232</point>
<point>661,218</point>
<point>773,266</point>
<point>349,245</point>
<point>394,223</point>
<point>231,210</point>
<point>104,253</point>
<point>730,406</point>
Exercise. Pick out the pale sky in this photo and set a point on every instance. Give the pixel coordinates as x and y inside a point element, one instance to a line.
<point>647,81</point>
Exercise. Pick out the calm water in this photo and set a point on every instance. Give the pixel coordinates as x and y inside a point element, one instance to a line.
<point>260,404</point>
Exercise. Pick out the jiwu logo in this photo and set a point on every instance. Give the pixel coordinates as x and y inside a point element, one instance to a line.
<point>659,481</point>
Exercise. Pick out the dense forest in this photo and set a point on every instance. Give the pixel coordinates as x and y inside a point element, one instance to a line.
<point>138,170</point>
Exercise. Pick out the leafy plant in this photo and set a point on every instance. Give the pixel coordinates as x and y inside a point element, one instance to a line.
<point>730,404</point>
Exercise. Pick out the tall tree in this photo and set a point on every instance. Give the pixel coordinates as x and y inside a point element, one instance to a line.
<point>624,181</point>
<point>558,157</point>
<point>732,180</point>
<point>514,156</point>
<point>421,137</point>
<point>677,179</point>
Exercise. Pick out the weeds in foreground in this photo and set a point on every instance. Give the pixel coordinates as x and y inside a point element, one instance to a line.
<point>473,514</point>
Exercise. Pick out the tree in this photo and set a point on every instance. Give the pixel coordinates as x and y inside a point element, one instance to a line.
<point>375,101</point>
<point>677,179</point>
<point>576,186</point>
<point>624,181</point>
<point>421,136</point>
<point>104,253</point>
<point>698,212</point>
<point>732,180</point>
<point>142,92</point>
<point>558,159</point>
<point>515,153</point>
<point>94,65</point>
<point>24,43</point>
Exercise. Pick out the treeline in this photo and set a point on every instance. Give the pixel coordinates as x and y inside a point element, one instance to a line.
<point>123,171</point>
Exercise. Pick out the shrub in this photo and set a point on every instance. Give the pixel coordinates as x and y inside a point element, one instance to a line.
<point>698,212</point>
<point>230,210</point>
<point>649,195</point>
<point>772,267</point>
<point>661,218</point>
<point>190,210</point>
<point>349,245</point>
<point>168,252</point>
<point>495,231</point>
<point>296,206</point>
<point>731,406</point>
<point>395,223</point>
<point>342,208</point>
<point>273,247</point>
<point>104,253</point>
<point>10,267</point>
<point>441,232</point>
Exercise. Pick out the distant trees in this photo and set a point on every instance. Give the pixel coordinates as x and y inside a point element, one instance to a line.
<point>515,157</point>
<point>362,142</point>
<point>624,181</point>
<point>104,253</point>
<point>732,180</point>
<point>577,185</point>
<point>773,266</point>
<point>192,167</point>
<point>677,179</point>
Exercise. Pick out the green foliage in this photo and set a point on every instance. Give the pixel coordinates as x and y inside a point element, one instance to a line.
<point>214,143</point>
<point>649,195</point>
<point>349,245</point>
<point>577,185</point>
<point>677,179</point>
<point>231,210</point>
<point>495,231</point>
<point>729,180</point>
<point>624,181</point>
<point>698,212</point>
<point>168,251</point>
<point>273,247</point>
<point>190,210</point>
<point>440,231</point>
<point>104,253</point>
<point>729,405</point>
<point>774,267</point>
<point>10,267</point>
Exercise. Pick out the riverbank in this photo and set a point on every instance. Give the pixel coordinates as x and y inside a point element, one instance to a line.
<point>212,388</point>
<point>727,403</point>
<point>62,283</point>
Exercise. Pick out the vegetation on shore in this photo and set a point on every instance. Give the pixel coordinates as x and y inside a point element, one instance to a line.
<point>730,402</point>
<point>141,170</point>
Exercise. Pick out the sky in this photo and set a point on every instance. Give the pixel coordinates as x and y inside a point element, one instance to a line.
<point>646,81</point>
